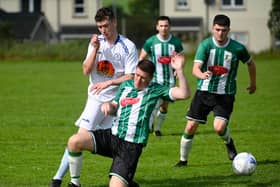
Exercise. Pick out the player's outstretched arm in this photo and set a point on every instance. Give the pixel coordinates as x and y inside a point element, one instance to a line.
<point>182,91</point>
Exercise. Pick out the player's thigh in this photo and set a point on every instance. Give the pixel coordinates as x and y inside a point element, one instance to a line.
<point>125,160</point>
<point>102,142</point>
<point>92,116</point>
<point>106,122</point>
<point>224,106</point>
<point>201,106</point>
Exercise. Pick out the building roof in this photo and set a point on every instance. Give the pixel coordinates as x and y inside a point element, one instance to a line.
<point>24,26</point>
<point>77,31</point>
<point>186,24</point>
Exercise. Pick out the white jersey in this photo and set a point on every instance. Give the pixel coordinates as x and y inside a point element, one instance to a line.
<point>112,61</point>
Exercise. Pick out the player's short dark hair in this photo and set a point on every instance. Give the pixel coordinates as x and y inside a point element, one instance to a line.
<point>162,18</point>
<point>104,13</point>
<point>222,20</point>
<point>147,66</point>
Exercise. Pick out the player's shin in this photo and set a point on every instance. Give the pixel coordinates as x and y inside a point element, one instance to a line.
<point>64,166</point>
<point>160,119</point>
<point>185,146</point>
<point>75,165</point>
<point>225,135</point>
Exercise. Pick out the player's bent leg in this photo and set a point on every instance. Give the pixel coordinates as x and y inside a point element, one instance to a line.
<point>161,115</point>
<point>62,170</point>
<point>160,119</point>
<point>76,144</point>
<point>231,150</point>
<point>80,142</point>
<point>221,128</point>
<point>186,143</point>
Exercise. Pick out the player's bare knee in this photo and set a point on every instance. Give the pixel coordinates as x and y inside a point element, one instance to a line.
<point>219,129</point>
<point>191,128</point>
<point>75,143</point>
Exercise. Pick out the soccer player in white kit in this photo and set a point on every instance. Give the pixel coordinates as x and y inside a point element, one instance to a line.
<point>111,59</point>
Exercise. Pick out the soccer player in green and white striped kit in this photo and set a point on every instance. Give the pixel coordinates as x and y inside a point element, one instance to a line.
<point>215,66</point>
<point>159,48</point>
<point>133,106</point>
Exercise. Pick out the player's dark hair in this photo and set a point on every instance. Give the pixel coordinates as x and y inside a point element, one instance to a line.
<point>162,18</point>
<point>222,20</point>
<point>104,13</point>
<point>147,66</point>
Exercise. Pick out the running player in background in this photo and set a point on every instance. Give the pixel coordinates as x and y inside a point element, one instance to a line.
<point>159,48</point>
<point>215,66</point>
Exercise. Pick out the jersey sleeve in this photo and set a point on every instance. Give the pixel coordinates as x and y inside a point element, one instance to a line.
<point>147,45</point>
<point>131,60</point>
<point>90,49</point>
<point>179,47</point>
<point>164,92</point>
<point>119,92</point>
<point>244,55</point>
<point>200,55</point>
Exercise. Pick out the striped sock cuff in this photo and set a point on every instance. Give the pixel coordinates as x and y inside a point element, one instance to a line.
<point>74,154</point>
<point>187,136</point>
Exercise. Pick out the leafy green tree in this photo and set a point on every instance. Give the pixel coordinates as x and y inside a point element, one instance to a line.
<point>144,7</point>
<point>274,20</point>
<point>141,20</point>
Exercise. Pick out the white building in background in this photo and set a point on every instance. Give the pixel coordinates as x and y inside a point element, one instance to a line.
<point>67,18</point>
<point>193,19</point>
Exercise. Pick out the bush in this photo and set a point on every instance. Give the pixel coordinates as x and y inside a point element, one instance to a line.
<point>269,54</point>
<point>74,50</point>
<point>6,36</point>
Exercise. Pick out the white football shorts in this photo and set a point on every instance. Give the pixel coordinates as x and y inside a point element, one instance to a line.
<point>92,118</point>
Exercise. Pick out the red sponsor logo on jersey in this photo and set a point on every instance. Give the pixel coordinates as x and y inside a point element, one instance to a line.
<point>129,101</point>
<point>218,70</point>
<point>105,67</point>
<point>164,59</point>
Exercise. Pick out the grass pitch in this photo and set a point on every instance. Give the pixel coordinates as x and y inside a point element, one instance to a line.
<point>40,101</point>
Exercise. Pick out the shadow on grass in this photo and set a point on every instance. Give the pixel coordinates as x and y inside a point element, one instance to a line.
<point>198,132</point>
<point>201,181</point>
<point>264,162</point>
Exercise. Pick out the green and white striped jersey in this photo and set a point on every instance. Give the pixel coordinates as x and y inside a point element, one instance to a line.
<point>135,109</point>
<point>210,54</point>
<point>157,48</point>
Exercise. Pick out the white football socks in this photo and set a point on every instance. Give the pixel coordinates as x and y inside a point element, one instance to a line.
<point>160,119</point>
<point>185,148</point>
<point>63,167</point>
<point>75,166</point>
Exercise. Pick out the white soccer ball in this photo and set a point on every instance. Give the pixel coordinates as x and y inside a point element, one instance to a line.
<point>244,164</point>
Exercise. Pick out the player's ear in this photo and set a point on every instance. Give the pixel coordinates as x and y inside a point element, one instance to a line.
<point>157,27</point>
<point>114,21</point>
